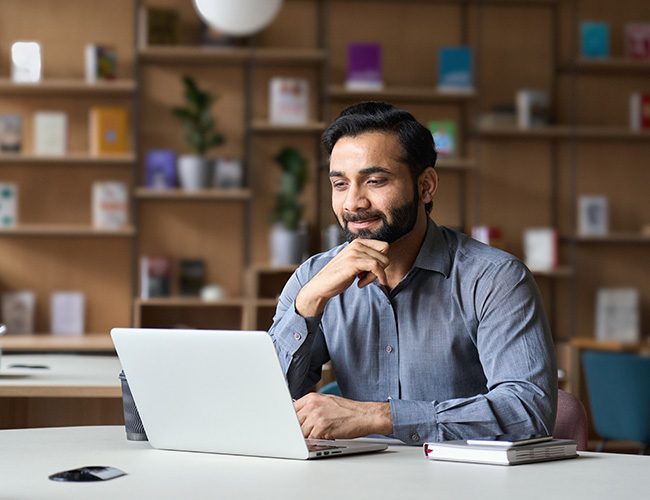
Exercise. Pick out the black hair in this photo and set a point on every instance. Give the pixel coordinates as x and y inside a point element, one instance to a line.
<point>416,140</point>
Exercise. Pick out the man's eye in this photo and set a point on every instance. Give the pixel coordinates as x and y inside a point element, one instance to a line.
<point>376,181</point>
<point>338,185</point>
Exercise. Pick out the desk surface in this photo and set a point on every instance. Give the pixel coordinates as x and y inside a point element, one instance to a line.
<point>401,473</point>
<point>68,376</point>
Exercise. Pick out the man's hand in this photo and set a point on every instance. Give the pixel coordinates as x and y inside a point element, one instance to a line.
<point>365,259</point>
<point>323,416</point>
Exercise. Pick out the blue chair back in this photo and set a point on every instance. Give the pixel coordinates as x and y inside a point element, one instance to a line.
<point>618,385</point>
<point>331,388</point>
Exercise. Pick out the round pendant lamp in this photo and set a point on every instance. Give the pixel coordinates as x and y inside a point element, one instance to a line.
<point>237,17</point>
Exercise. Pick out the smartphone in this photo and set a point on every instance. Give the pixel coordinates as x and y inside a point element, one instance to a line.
<point>509,440</point>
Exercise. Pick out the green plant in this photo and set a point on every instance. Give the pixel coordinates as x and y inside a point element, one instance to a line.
<point>288,210</point>
<point>198,122</point>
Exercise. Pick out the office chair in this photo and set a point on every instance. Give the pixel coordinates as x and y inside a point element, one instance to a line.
<point>331,388</point>
<point>571,420</point>
<point>618,385</point>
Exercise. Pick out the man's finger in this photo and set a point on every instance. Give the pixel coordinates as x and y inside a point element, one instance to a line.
<point>377,245</point>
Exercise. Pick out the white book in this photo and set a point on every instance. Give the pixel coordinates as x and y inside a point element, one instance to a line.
<point>67,313</point>
<point>532,108</point>
<point>50,133</point>
<point>110,205</point>
<point>26,65</point>
<point>541,248</point>
<point>461,451</point>
<point>18,309</point>
<point>593,215</point>
<point>617,314</point>
<point>288,101</point>
<point>8,204</point>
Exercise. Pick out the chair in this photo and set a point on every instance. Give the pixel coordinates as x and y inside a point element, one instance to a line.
<point>571,419</point>
<point>618,385</point>
<point>331,388</point>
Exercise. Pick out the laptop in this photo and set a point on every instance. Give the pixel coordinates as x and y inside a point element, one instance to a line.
<point>217,391</point>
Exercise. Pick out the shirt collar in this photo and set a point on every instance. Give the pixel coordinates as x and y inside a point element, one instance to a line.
<point>434,252</point>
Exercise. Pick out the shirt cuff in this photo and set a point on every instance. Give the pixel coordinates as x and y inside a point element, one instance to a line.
<point>414,422</point>
<point>292,331</point>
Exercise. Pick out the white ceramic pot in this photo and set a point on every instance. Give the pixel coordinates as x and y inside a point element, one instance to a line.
<point>193,172</point>
<point>287,246</point>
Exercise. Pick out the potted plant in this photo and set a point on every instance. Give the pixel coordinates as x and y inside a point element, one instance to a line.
<point>200,134</point>
<point>286,238</point>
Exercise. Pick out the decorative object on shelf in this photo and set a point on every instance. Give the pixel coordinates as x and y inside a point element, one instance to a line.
<point>455,69</point>
<point>26,64</point>
<point>155,276</point>
<point>160,169</point>
<point>200,134</point>
<point>364,67</point>
<point>286,239</point>
<point>541,248</point>
<point>594,39</point>
<point>108,129</point>
<point>18,310</point>
<point>593,215</point>
<point>67,313</point>
<point>288,100</point>
<point>11,133</point>
<point>444,137</point>
<point>191,277</point>
<point>240,18</point>
<point>100,63</point>
<point>158,26</point>
<point>639,111</point>
<point>637,41</point>
<point>50,133</point>
<point>8,204</point>
<point>212,293</point>
<point>110,204</point>
<point>228,173</point>
<point>489,235</point>
<point>617,314</point>
<point>532,108</point>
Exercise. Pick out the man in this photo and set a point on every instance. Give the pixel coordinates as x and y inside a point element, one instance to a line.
<point>432,335</point>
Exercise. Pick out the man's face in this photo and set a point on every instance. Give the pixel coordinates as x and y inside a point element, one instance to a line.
<point>373,193</point>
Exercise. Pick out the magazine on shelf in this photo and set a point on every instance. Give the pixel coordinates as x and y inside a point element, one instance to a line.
<point>593,215</point>
<point>8,204</point>
<point>67,313</point>
<point>101,63</point>
<point>110,204</point>
<point>444,137</point>
<point>288,100</point>
<point>50,133</point>
<point>108,130</point>
<point>541,248</point>
<point>594,40</point>
<point>160,169</point>
<point>455,69</point>
<point>639,111</point>
<point>637,41</point>
<point>155,276</point>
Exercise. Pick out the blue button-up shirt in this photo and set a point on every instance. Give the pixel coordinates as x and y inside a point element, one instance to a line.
<point>460,348</point>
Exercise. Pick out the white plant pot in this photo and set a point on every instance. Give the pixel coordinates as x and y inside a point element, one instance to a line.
<point>287,246</point>
<point>193,172</point>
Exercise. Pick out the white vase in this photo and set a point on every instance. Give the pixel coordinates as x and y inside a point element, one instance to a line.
<point>192,172</point>
<point>287,246</point>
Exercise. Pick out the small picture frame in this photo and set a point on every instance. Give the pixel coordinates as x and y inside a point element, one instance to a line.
<point>593,215</point>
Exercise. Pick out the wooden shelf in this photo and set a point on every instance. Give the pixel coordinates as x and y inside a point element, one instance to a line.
<point>610,238</point>
<point>266,127</point>
<point>203,194</point>
<point>188,302</point>
<point>91,342</point>
<point>609,67</point>
<point>563,132</point>
<point>610,345</point>
<point>425,94</point>
<point>67,86</point>
<point>288,56</point>
<point>264,302</point>
<point>268,268</point>
<point>189,54</point>
<point>66,230</point>
<point>559,272</point>
<point>73,159</point>
<point>455,164</point>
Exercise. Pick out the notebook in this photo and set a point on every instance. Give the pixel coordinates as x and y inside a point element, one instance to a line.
<point>217,391</point>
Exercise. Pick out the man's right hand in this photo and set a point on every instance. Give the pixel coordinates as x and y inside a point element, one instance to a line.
<point>365,259</point>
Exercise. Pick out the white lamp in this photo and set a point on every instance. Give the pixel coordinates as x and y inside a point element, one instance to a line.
<point>237,17</point>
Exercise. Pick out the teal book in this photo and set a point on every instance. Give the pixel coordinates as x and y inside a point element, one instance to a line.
<point>455,69</point>
<point>594,40</point>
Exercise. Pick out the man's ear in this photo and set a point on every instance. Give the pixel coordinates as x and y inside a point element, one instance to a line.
<point>428,184</point>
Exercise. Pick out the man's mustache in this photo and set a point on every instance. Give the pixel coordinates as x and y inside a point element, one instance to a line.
<point>363,215</point>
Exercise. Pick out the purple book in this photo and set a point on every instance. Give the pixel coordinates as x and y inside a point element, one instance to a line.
<point>160,169</point>
<point>364,66</point>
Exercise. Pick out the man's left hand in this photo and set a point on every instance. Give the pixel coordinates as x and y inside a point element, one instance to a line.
<point>323,416</point>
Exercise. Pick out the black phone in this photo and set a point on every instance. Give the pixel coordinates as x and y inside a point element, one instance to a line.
<point>88,473</point>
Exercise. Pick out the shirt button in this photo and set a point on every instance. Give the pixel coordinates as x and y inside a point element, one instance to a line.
<point>297,336</point>
<point>415,437</point>
<point>389,349</point>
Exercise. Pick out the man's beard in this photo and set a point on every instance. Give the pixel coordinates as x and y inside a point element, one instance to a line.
<point>404,218</point>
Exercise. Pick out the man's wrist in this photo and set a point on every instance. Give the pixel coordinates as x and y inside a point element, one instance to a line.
<point>381,419</point>
<point>308,306</point>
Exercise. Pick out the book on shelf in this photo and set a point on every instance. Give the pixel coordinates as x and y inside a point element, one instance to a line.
<point>541,248</point>
<point>364,70</point>
<point>532,108</point>
<point>639,111</point>
<point>110,204</point>
<point>444,137</point>
<point>618,314</point>
<point>461,451</point>
<point>228,173</point>
<point>489,235</point>
<point>160,169</point>
<point>158,26</point>
<point>108,130</point>
<point>594,40</point>
<point>8,204</point>
<point>26,64</point>
<point>100,62</point>
<point>288,100</point>
<point>593,215</point>
<point>50,133</point>
<point>67,313</point>
<point>155,276</point>
<point>18,310</point>
<point>637,41</point>
<point>455,69</point>
<point>11,133</point>
<point>191,276</point>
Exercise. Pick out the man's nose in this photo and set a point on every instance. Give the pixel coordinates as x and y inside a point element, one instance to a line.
<point>355,199</point>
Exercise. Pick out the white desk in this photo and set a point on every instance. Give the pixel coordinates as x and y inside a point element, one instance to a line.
<point>401,473</point>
